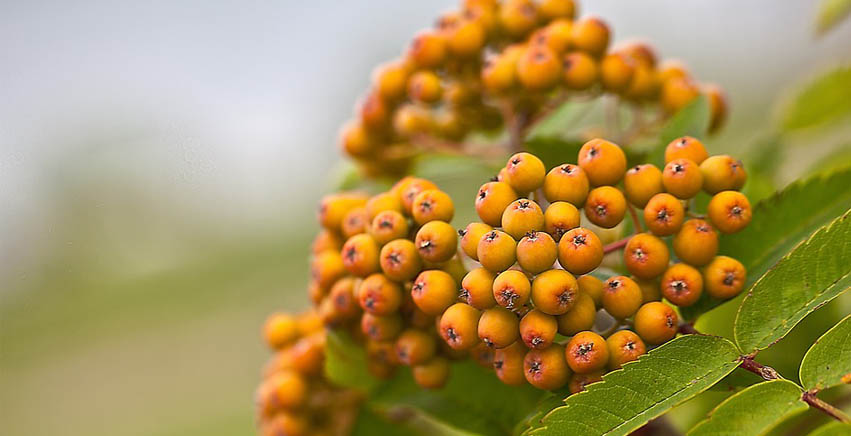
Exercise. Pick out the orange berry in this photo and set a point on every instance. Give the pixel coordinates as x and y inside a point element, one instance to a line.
<point>682,284</point>
<point>470,237</point>
<point>432,205</point>
<point>536,252</point>
<point>355,140</point>
<point>287,389</point>
<point>677,93</point>
<point>518,17</point>
<point>624,346</point>
<point>409,188</point>
<point>511,289</point>
<point>459,326</point>
<point>718,106</point>
<point>560,217</point>
<point>498,327</point>
<point>433,291</point>
<point>499,73</point>
<point>410,120</point>
<point>605,206</point>
<point>729,211</point>
<point>374,113</point>
<point>586,352</point>
<point>432,374</point>
<point>284,422</point>
<point>580,71</point>
<point>415,347</point>
<point>682,178</point>
<point>554,292</point>
<point>593,287</point>
<point>644,84</point>
<point>477,288</point>
<point>360,255</point>
<point>616,72</point>
<point>591,35</point>
<point>664,214</point>
<point>390,80</point>
<point>491,201</point>
<point>546,369</point>
<point>436,242</point>
<point>539,69</point>
<point>580,317</point>
<point>381,328</point>
<point>656,323</point>
<point>333,208</point>
<point>427,50</point>
<point>578,382</point>
<point>722,173</point>
<point>521,217</point>
<point>646,256</point>
<point>580,251</point>
<point>641,183</point>
<point>326,268</point>
<point>643,54</point>
<point>326,240</point>
<point>279,330</point>
<point>508,364</point>
<point>538,330</point>
<point>342,296</point>
<point>603,162</point>
<point>686,147</point>
<point>379,296</point>
<point>355,222</point>
<point>387,226</point>
<point>724,277</point>
<point>566,182</point>
<point>497,251</point>
<point>482,355</point>
<point>308,354</point>
<point>424,86</point>
<point>696,243</point>
<point>553,9</point>
<point>386,201</point>
<point>399,260</point>
<point>650,289</point>
<point>621,297</point>
<point>672,69</point>
<point>525,172</point>
<point>555,36</point>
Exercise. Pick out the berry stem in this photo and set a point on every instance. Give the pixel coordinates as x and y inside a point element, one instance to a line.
<point>636,223</point>
<point>766,372</point>
<point>688,329</point>
<point>617,245</point>
<point>810,398</point>
<point>520,121</point>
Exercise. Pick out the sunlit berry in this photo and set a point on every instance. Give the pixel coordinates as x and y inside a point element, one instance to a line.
<point>536,252</point>
<point>566,182</point>
<point>664,214</point>
<point>586,352</point>
<point>491,201</point>
<point>554,292</point>
<point>433,291</point>
<point>605,206</point>
<point>539,68</point>
<point>381,328</point>
<point>729,211</point>
<point>470,237</point>
<point>497,251</point>
<point>696,243</point>
<point>477,288</point>
<point>427,50</point>
<point>591,35</point>
<point>379,296</point>
<point>641,183</point>
<point>646,256</point>
<point>432,205</point>
<point>459,326</point>
<point>624,346</point>
<point>682,178</point>
<point>511,289</point>
<point>580,317</point>
<point>360,255</point>
<point>682,284</point>
<point>593,287</point>
<point>621,297</point>
<point>603,162</point>
<point>559,218</point>
<point>656,322</point>
<point>686,147</point>
<point>498,327</point>
<point>538,330</point>
<point>616,72</point>
<point>387,226</point>
<point>508,364</point>
<point>436,241</point>
<point>579,71</point>
<point>525,172</point>
<point>724,277</point>
<point>521,217</point>
<point>723,173</point>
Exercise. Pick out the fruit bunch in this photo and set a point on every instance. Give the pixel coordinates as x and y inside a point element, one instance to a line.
<point>294,398</point>
<point>534,298</point>
<point>493,64</point>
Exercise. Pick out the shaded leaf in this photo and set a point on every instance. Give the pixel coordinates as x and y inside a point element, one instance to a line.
<point>829,359</point>
<point>831,13</point>
<point>753,411</point>
<point>825,99</point>
<point>644,389</point>
<point>370,423</point>
<point>833,429</point>
<point>345,362</point>
<point>554,151</point>
<point>691,120</point>
<point>812,274</point>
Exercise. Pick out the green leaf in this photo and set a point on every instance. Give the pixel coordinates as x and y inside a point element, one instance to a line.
<point>832,429</point>
<point>829,359</point>
<point>644,389</point>
<point>836,159</point>
<point>825,99</point>
<point>370,423</point>
<point>345,362</point>
<point>753,411</point>
<point>812,274</point>
<point>831,13</point>
<point>691,120</point>
<point>554,151</point>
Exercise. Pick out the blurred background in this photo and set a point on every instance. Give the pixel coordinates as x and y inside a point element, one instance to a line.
<point>161,163</point>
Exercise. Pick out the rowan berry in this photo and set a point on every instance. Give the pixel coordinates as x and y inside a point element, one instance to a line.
<point>433,291</point>
<point>580,317</point>
<point>414,347</point>
<point>646,256</point>
<point>539,68</point>
<point>664,214</point>
<point>477,288</point>
<point>656,322</point>
<point>580,70</point>
<point>546,369</point>
<point>729,211</point>
<point>624,346</point>
<point>326,268</point>
<point>390,80</point>
<point>342,296</point>
<point>279,330</point>
<point>591,35</point>
<point>499,73</point>
<point>555,36</point>
<point>355,140</point>
<point>432,205</point>
<point>722,173</point>
<point>586,352</point>
<point>579,381</point>
<point>470,237</point>
<point>536,252</point>
<point>554,9</point>
<point>381,358</point>
<point>427,50</point>
<point>491,201</point>
<point>580,251</point>
<point>449,123</point>
<point>641,52</point>
<point>508,364</point>
<point>511,289</point>
<point>374,113</point>
<point>593,287</point>
<point>641,183</point>
<point>603,162</point>
<point>621,297</point>
<point>387,226</point>
<point>399,260</point>
<point>686,147</point>
<point>436,241</point>
<point>672,69</point>
<point>285,422</point>
<point>538,330</point>
<point>379,296</point>
<point>497,251</point>
<point>360,255</point>
<point>696,243</point>
<point>521,217</point>
<point>409,188</point>
<point>677,93</point>
<point>682,284</point>
<point>383,202</point>
<point>605,206</point>
<point>381,328</point>
<point>498,327</point>
<point>424,86</point>
<point>560,217</point>
<point>410,120</point>
<point>482,355</point>
<point>326,240</point>
<point>432,374</point>
<point>315,292</point>
<point>459,326</point>
<point>682,178</point>
<point>416,318</point>
<point>518,17</point>
<point>650,289</point>
<point>308,322</point>
<point>554,292</point>
<point>308,354</point>
<point>724,277</point>
<point>718,106</point>
<point>616,72</point>
<point>333,208</point>
<point>286,389</point>
<point>466,38</point>
<point>355,222</point>
<point>644,84</point>
<point>525,172</point>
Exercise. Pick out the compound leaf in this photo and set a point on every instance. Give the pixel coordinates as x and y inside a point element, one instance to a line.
<point>824,100</point>
<point>833,429</point>
<point>691,120</point>
<point>829,359</point>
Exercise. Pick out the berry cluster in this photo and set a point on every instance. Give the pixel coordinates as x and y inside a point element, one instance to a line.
<point>492,63</point>
<point>294,398</point>
<point>534,281</point>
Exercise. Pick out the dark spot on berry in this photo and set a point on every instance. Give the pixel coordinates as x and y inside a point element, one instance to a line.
<point>579,240</point>
<point>729,278</point>
<point>516,161</point>
<point>669,321</point>
<point>593,152</point>
<point>678,168</point>
<point>537,340</point>
<point>482,194</point>
<point>736,210</point>
<point>662,215</point>
<point>497,364</point>
<point>385,224</point>
<point>534,367</point>
<point>418,287</point>
<point>585,348</point>
<point>600,210</point>
<point>450,333</point>
<point>351,253</point>
<point>565,298</point>
<point>462,232</point>
<point>614,284</point>
<point>523,204</point>
<point>630,346</point>
<point>638,253</point>
<point>679,286</point>
<point>464,295</point>
<point>491,236</point>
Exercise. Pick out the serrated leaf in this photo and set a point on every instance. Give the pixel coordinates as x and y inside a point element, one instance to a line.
<point>812,274</point>
<point>829,359</point>
<point>825,99</point>
<point>644,389</point>
<point>831,13</point>
<point>345,363</point>
<point>833,429</point>
<point>753,411</point>
<point>691,120</point>
<point>554,151</point>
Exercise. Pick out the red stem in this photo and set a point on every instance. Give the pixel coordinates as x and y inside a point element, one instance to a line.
<point>810,398</point>
<point>617,245</point>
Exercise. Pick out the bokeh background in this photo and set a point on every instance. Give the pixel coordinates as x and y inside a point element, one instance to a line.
<point>161,162</point>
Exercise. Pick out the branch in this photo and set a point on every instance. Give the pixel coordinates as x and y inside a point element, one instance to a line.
<point>517,130</point>
<point>617,245</point>
<point>766,372</point>
<point>809,397</point>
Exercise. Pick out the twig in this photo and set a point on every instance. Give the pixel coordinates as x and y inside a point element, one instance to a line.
<point>766,372</point>
<point>696,215</point>
<point>617,245</point>
<point>636,223</point>
<point>810,398</point>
